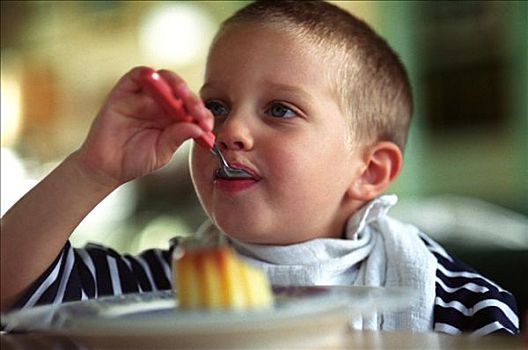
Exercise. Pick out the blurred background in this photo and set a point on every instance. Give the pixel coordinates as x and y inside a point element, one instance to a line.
<point>465,179</point>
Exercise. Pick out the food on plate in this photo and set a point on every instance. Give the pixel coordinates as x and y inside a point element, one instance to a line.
<point>215,278</point>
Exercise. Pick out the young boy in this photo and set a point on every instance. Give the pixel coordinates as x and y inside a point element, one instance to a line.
<point>316,107</point>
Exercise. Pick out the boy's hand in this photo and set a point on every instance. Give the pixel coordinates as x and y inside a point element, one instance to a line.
<point>132,135</point>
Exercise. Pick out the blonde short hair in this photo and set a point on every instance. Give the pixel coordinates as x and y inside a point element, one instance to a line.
<point>370,81</point>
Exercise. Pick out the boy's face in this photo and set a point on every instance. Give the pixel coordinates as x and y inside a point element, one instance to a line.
<point>276,116</point>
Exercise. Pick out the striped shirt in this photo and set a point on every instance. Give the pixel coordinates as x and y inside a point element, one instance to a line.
<point>468,302</point>
<point>465,301</point>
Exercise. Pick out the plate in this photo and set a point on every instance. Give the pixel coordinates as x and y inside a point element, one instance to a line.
<point>301,316</point>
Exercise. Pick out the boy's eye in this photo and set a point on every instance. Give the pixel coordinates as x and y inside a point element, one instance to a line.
<point>279,110</point>
<point>216,108</point>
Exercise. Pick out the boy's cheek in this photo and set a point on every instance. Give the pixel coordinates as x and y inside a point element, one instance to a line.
<point>199,164</point>
<point>201,181</point>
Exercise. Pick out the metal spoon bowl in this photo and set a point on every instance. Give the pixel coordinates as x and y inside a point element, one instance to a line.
<point>226,171</point>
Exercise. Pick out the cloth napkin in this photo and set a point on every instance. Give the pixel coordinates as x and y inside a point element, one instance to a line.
<point>378,251</point>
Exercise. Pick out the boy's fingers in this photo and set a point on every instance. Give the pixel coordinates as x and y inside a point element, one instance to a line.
<point>172,78</point>
<point>175,134</point>
<point>195,107</point>
<point>192,103</point>
<point>130,82</point>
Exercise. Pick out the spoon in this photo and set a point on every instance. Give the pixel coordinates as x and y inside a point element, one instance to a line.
<point>160,90</point>
<point>227,171</point>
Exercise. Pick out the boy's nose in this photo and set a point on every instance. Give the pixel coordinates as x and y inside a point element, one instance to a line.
<point>234,134</point>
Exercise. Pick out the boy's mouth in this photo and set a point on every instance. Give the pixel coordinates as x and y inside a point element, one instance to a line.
<point>219,175</point>
<point>233,185</point>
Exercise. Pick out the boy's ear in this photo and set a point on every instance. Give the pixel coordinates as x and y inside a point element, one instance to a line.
<point>382,164</point>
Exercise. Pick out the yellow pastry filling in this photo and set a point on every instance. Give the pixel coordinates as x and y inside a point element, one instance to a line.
<point>215,278</point>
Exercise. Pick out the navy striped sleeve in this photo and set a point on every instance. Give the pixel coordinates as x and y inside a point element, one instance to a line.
<point>467,302</point>
<point>94,271</point>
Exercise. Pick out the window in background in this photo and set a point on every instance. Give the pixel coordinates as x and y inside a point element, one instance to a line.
<point>465,66</point>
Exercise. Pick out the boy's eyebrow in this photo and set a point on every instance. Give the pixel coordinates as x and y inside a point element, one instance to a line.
<point>295,90</point>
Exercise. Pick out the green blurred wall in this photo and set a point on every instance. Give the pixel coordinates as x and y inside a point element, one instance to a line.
<point>484,164</point>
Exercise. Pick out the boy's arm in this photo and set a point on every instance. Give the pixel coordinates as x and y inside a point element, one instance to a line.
<point>130,137</point>
<point>36,228</point>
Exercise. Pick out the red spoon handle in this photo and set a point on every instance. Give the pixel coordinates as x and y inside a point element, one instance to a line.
<point>160,90</point>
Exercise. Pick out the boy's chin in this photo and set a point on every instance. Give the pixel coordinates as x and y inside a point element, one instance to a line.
<point>250,237</point>
<point>258,231</point>
<point>258,237</point>
<point>246,235</point>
